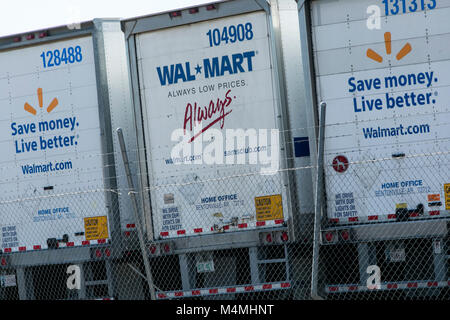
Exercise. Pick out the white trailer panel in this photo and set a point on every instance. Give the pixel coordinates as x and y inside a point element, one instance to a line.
<point>223,61</point>
<point>387,93</point>
<point>51,143</point>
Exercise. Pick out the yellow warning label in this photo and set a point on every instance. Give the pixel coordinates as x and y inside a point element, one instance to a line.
<point>269,208</point>
<point>401,206</point>
<point>447,196</point>
<point>96,228</point>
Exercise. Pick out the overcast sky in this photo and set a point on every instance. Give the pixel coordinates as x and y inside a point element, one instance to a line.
<point>18,16</point>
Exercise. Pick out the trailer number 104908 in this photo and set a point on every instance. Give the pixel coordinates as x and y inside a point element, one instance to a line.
<point>232,34</point>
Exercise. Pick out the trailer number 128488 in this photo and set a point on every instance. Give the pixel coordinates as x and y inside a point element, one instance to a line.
<point>54,58</point>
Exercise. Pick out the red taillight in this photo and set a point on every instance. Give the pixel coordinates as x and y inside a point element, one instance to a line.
<point>98,253</point>
<point>17,39</point>
<point>152,249</point>
<point>329,236</point>
<point>107,252</point>
<point>43,34</point>
<point>284,236</point>
<point>166,248</point>
<point>175,14</point>
<point>269,238</point>
<point>211,7</point>
<point>193,10</point>
<point>3,262</point>
<point>345,235</point>
<point>30,36</point>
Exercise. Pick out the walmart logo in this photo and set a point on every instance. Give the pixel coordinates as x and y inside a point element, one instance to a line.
<point>50,107</point>
<point>212,67</point>
<point>388,45</point>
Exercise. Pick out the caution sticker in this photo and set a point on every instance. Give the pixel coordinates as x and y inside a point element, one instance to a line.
<point>434,197</point>
<point>447,196</point>
<point>401,206</point>
<point>96,228</point>
<point>269,208</point>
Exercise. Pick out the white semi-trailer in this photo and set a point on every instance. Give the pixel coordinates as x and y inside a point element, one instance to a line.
<point>197,81</point>
<point>63,92</point>
<point>216,127</point>
<point>381,68</point>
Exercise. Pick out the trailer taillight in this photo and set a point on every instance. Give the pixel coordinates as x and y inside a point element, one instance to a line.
<point>43,34</point>
<point>274,237</point>
<point>266,238</point>
<point>158,249</point>
<point>17,39</point>
<point>101,253</point>
<point>30,36</point>
<point>4,262</point>
<point>210,7</point>
<point>335,236</point>
<point>345,235</point>
<point>166,248</point>
<point>175,14</point>
<point>193,10</point>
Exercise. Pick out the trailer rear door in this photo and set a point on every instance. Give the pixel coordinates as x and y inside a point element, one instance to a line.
<point>382,68</point>
<point>51,148</point>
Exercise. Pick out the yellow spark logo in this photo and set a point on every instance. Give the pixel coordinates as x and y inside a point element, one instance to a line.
<point>50,107</point>
<point>387,41</point>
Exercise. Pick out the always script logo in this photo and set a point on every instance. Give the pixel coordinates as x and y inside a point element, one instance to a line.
<point>214,112</point>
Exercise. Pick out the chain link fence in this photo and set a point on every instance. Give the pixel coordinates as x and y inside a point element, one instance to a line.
<point>381,236</point>
<point>399,247</point>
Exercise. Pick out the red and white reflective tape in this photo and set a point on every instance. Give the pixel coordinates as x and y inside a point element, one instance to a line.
<point>241,226</point>
<point>223,290</point>
<point>391,217</point>
<point>388,286</point>
<point>81,243</point>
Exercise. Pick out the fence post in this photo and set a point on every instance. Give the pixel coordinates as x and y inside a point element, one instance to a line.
<point>318,205</point>
<point>132,194</point>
